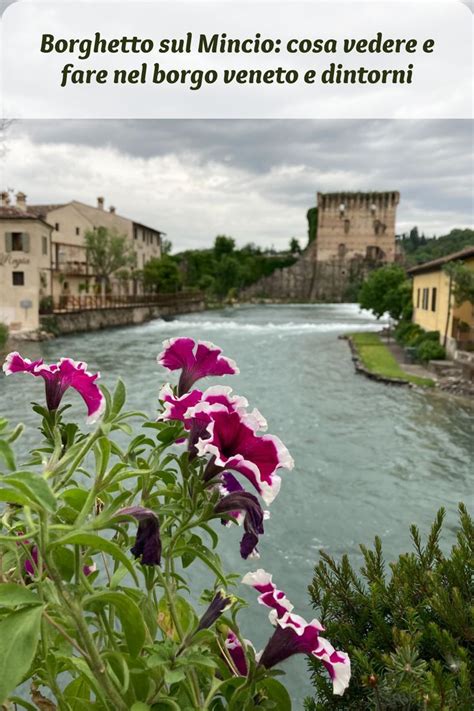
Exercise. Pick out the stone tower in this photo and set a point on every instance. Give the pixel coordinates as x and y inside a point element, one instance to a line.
<point>356,225</point>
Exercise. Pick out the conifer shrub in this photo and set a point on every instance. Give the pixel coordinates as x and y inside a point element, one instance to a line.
<point>408,627</point>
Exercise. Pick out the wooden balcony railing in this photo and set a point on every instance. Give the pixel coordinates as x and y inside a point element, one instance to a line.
<point>89,302</point>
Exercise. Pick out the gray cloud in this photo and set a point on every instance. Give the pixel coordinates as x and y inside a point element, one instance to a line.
<point>252,179</point>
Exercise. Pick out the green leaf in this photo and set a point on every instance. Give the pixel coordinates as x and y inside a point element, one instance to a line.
<point>6,453</point>
<point>10,496</point>
<point>118,398</point>
<point>34,487</point>
<point>101,544</point>
<point>12,595</point>
<point>140,706</point>
<point>208,557</point>
<point>128,613</point>
<point>19,633</point>
<point>275,691</point>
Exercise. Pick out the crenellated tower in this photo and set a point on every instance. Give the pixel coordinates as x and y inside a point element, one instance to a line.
<point>352,225</point>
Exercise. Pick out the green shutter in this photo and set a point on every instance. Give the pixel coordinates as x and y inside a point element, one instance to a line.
<point>25,238</point>
<point>8,241</point>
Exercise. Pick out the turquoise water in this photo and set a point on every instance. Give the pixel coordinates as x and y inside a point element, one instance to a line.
<point>369,459</point>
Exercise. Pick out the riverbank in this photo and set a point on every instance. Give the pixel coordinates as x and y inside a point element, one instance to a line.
<point>374,359</point>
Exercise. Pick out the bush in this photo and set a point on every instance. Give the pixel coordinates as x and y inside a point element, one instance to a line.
<point>410,634</point>
<point>3,334</point>
<point>429,349</point>
<point>406,333</point>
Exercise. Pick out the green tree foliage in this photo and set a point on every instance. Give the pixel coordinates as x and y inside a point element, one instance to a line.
<point>420,249</point>
<point>295,247</point>
<point>166,246</point>
<point>312,217</point>
<point>462,282</point>
<point>409,632</point>
<point>108,252</point>
<point>225,269</point>
<point>162,275</point>
<point>386,290</point>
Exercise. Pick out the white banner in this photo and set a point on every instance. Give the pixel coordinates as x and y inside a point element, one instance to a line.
<point>237,60</point>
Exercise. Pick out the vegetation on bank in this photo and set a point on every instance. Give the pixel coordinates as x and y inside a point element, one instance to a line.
<point>408,630</point>
<point>377,358</point>
<point>3,334</point>
<point>419,249</point>
<point>223,270</point>
<point>425,344</point>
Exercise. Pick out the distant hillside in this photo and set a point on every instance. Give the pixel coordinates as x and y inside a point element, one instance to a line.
<point>419,249</point>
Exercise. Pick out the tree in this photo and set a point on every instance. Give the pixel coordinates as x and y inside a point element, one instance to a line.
<point>462,282</point>
<point>386,290</point>
<point>166,246</point>
<point>223,245</point>
<point>107,252</point>
<point>162,275</point>
<point>295,247</point>
<point>312,217</point>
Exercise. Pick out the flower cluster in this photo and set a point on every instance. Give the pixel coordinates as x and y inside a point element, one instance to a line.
<point>221,428</point>
<point>227,449</point>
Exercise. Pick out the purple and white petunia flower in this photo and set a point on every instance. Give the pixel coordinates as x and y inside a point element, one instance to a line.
<point>195,360</point>
<point>237,653</point>
<point>269,596</point>
<point>148,541</point>
<point>58,377</point>
<point>233,444</point>
<point>249,505</point>
<point>293,635</point>
<point>176,406</point>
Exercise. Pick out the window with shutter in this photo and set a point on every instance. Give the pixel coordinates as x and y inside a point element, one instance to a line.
<point>26,242</point>
<point>8,241</point>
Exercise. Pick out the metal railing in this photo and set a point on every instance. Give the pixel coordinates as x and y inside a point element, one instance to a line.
<point>89,302</point>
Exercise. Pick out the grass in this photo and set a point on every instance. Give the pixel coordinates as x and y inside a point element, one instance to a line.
<point>377,358</point>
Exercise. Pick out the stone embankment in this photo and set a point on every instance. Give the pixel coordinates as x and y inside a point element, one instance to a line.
<point>96,319</point>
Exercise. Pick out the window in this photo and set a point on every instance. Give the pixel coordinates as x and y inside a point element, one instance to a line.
<point>17,241</point>
<point>347,226</point>
<point>18,278</point>
<point>78,231</point>
<point>418,294</point>
<point>426,297</point>
<point>44,244</point>
<point>56,226</point>
<point>433,299</point>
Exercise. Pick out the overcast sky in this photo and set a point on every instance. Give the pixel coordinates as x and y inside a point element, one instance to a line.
<point>253,180</point>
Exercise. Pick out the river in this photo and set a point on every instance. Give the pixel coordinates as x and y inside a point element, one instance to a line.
<point>369,459</point>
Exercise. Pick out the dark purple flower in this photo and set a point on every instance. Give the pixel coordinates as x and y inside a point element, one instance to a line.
<point>248,504</point>
<point>58,377</point>
<point>234,444</point>
<point>293,635</point>
<point>220,603</point>
<point>148,540</point>
<point>195,360</point>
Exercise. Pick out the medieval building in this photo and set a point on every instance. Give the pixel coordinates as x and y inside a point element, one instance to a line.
<point>355,234</point>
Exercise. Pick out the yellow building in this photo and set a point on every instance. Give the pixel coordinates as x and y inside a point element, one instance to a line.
<point>434,308</point>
